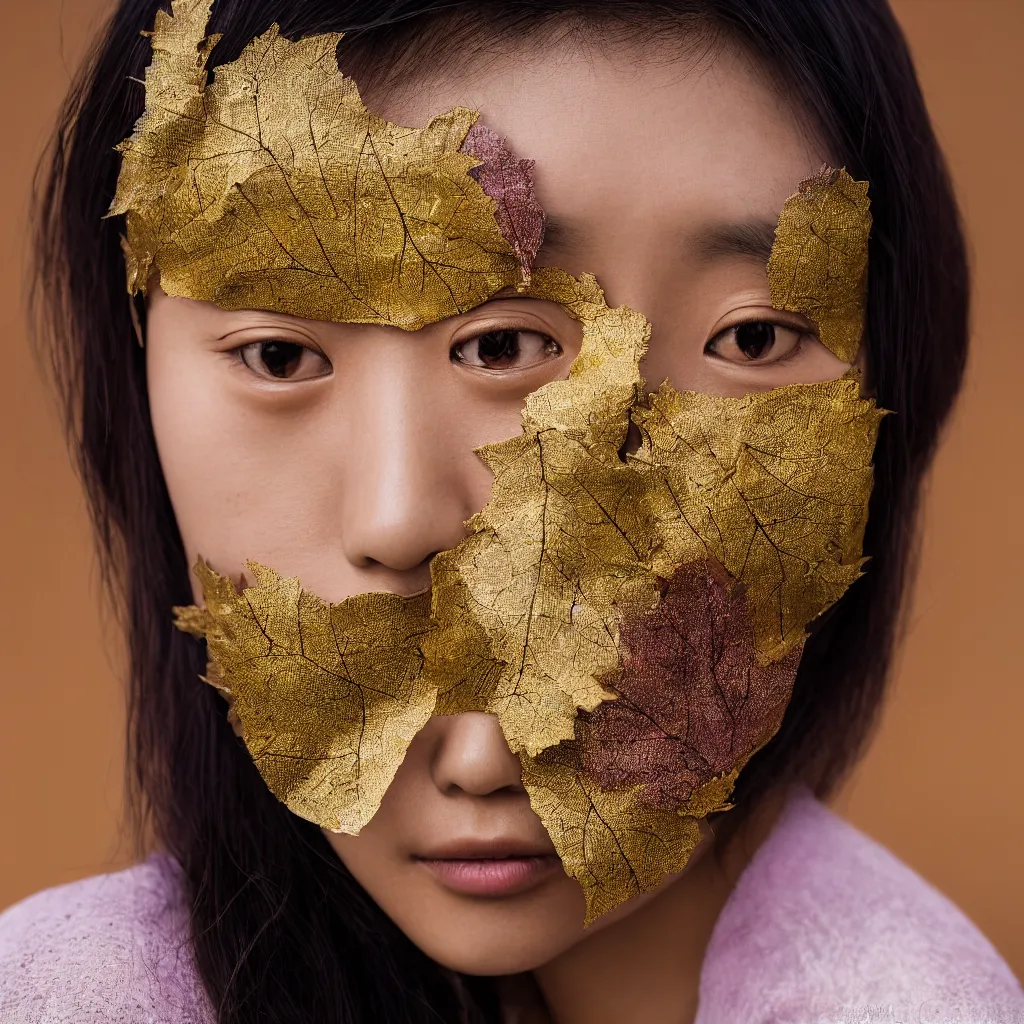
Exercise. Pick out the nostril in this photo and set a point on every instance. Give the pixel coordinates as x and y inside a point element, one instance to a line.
<point>372,562</point>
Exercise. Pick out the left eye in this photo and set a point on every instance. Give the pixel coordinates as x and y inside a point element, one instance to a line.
<point>755,341</point>
<point>506,350</point>
<point>284,360</point>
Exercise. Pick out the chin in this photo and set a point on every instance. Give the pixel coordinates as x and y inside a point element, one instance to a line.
<point>502,945</point>
<point>490,936</point>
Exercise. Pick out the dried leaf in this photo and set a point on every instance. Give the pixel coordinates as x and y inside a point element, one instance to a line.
<point>819,261</point>
<point>774,486</point>
<point>614,843</point>
<point>328,696</point>
<point>623,801</point>
<point>563,545</point>
<point>692,701</point>
<point>273,187</point>
<point>509,182</point>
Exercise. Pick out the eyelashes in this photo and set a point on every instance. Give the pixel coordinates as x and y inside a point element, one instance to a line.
<point>278,359</point>
<point>757,342</point>
<point>506,349</point>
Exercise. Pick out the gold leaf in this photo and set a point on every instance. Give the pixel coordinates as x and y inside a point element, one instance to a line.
<point>574,539</point>
<point>197,622</point>
<point>457,659</point>
<point>611,841</point>
<point>328,696</point>
<point>275,188</point>
<point>819,261</point>
<point>775,486</point>
<point>562,546</point>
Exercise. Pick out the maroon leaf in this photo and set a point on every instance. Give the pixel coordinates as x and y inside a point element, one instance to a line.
<point>693,700</point>
<point>509,182</point>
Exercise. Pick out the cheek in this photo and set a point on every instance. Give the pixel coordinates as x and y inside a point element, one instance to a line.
<point>238,489</point>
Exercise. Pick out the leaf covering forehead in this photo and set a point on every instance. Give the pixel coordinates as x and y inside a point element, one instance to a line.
<point>273,187</point>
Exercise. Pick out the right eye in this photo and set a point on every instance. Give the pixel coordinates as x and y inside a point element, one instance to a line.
<point>506,350</point>
<point>284,360</point>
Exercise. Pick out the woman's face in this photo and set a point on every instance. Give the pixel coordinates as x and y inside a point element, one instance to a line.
<point>344,454</point>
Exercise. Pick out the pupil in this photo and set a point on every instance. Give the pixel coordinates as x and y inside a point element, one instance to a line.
<point>281,358</point>
<point>754,339</point>
<point>498,346</point>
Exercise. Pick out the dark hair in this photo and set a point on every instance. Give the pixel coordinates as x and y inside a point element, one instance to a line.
<point>281,931</point>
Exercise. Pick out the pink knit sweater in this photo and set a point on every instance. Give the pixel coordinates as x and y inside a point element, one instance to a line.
<point>824,927</point>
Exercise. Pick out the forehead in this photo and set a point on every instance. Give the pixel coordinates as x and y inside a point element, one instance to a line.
<point>625,143</point>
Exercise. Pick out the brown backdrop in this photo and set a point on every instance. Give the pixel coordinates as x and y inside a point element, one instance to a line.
<point>942,785</point>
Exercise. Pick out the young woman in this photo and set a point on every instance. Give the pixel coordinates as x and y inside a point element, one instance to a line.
<point>220,418</point>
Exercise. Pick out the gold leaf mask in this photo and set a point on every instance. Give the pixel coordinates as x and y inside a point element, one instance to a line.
<point>634,619</point>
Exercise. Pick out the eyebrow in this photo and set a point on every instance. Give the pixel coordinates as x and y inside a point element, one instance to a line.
<point>750,239</point>
<point>560,235</point>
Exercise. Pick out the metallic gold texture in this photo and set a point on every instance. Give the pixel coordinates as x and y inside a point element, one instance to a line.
<point>327,697</point>
<point>819,261</point>
<point>611,841</point>
<point>563,545</point>
<point>578,538</point>
<point>774,486</point>
<point>273,187</point>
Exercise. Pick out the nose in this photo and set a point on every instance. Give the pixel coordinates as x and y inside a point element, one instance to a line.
<point>413,477</point>
<point>474,758</point>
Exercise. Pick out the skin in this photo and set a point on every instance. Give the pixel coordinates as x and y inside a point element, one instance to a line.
<point>357,467</point>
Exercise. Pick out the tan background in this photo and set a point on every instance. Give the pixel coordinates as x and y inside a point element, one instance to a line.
<point>943,783</point>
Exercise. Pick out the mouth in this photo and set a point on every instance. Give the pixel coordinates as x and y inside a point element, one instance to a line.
<point>491,869</point>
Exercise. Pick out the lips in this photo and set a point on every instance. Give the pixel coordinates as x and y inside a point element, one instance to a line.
<point>495,868</point>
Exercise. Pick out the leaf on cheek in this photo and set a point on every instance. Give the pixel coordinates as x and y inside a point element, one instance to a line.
<point>622,801</point>
<point>692,701</point>
<point>613,842</point>
<point>774,486</point>
<point>564,543</point>
<point>328,697</point>
<point>575,537</point>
